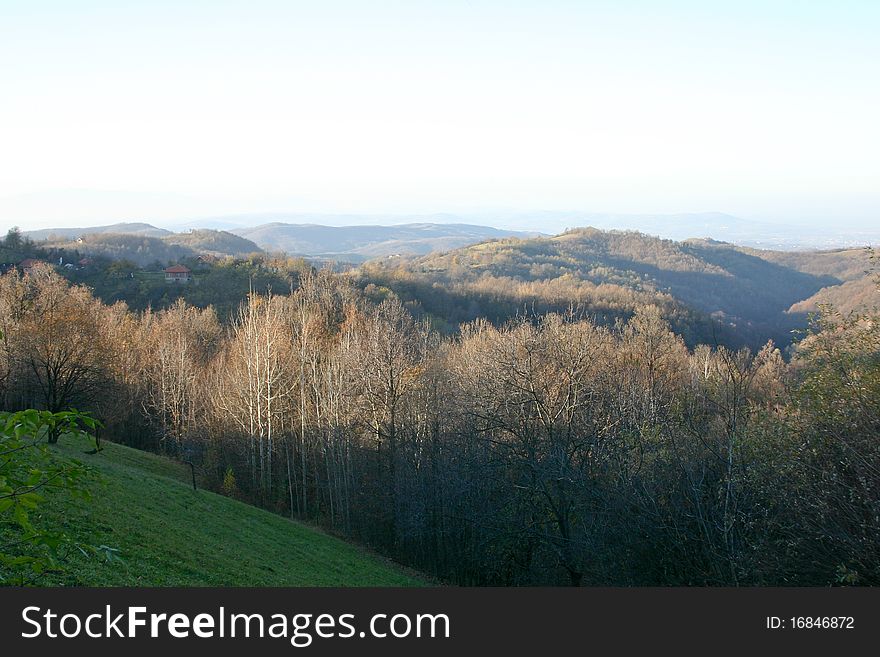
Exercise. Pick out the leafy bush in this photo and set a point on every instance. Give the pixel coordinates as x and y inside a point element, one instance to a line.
<point>29,470</point>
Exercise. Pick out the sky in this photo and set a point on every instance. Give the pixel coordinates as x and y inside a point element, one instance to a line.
<point>117,110</point>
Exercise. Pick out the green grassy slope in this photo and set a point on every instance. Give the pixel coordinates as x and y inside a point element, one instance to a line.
<point>167,534</point>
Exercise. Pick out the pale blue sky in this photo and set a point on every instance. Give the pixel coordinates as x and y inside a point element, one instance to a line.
<point>157,109</point>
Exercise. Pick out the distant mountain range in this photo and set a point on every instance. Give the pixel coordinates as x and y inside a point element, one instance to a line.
<point>457,272</point>
<point>676,226</point>
<point>358,243</point>
<point>339,243</point>
<point>715,225</point>
<point>359,236</point>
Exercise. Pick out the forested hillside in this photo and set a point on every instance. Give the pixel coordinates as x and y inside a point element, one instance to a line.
<point>328,243</point>
<point>214,242</point>
<point>549,449</point>
<point>221,284</point>
<point>359,243</point>
<point>142,249</point>
<point>67,234</point>
<point>751,296</point>
<point>841,264</point>
<point>711,292</point>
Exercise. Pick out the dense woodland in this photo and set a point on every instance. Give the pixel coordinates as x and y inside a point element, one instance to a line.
<point>221,281</point>
<point>144,249</point>
<point>711,292</point>
<point>544,448</point>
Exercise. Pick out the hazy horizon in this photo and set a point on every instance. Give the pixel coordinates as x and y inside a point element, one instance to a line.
<point>164,112</point>
<point>110,209</point>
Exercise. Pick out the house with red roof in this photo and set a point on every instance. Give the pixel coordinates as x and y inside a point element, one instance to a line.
<point>177,274</point>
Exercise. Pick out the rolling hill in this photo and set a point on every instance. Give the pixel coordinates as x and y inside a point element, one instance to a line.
<point>717,225</point>
<point>63,234</point>
<point>139,249</point>
<point>214,242</point>
<point>169,535</point>
<point>358,243</point>
<point>842,264</point>
<point>143,249</point>
<point>143,243</point>
<point>857,295</point>
<point>753,293</point>
<point>676,226</point>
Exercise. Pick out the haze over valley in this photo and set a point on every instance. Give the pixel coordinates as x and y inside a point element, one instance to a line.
<point>301,228</point>
<point>711,289</point>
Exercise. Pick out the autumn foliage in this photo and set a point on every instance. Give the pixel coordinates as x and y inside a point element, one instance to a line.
<point>550,449</point>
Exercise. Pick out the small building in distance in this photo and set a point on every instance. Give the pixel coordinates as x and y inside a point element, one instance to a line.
<point>177,274</point>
